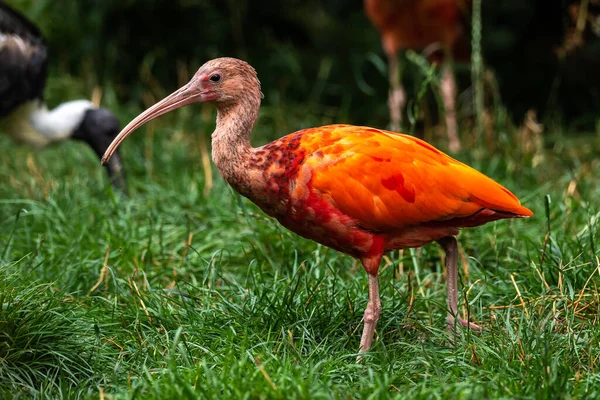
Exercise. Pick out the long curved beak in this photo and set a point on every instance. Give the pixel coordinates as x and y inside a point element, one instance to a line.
<point>188,94</point>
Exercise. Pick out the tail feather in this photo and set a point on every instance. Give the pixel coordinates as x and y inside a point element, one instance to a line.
<point>481,217</point>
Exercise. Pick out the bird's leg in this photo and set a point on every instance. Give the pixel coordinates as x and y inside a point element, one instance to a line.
<point>397,97</point>
<point>448,92</point>
<point>451,250</point>
<point>116,173</point>
<point>372,313</point>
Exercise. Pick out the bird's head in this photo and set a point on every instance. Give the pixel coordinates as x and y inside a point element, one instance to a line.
<point>223,81</point>
<point>226,82</point>
<point>98,128</point>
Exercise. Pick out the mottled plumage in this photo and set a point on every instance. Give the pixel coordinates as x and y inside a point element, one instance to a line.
<point>343,186</point>
<point>359,190</point>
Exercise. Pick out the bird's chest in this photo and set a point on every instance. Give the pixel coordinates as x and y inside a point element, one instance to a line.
<point>286,193</point>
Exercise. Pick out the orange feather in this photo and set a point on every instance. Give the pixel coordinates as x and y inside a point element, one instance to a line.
<point>355,188</point>
<point>389,180</point>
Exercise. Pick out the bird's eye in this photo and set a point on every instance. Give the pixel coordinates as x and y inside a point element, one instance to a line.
<point>215,78</point>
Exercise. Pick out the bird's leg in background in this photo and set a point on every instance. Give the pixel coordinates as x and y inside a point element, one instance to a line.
<point>371,314</point>
<point>116,173</point>
<point>451,250</point>
<point>448,92</point>
<point>397,97</point>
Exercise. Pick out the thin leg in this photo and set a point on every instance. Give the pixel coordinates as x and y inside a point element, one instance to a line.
<point>116,173</point>
<point>451,249</point>
<point>397,97</point>
<point>448,92</point>
<point>372,313</point>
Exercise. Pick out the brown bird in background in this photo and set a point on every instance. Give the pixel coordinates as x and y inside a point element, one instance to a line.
<point>422,25</point>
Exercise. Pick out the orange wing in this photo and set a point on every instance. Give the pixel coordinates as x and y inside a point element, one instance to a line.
<point>388,180</point>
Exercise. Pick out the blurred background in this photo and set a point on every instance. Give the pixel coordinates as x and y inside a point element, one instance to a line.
<point>183,281</point>
<point>321,58</point>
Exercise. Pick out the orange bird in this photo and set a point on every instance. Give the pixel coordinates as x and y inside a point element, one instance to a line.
<point>417,24</point>
<point>358,190</point>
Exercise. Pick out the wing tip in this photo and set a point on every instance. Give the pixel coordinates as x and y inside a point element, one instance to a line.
<point>523,212</point>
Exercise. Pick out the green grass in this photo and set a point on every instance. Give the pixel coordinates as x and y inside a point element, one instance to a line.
<point>186,290</point>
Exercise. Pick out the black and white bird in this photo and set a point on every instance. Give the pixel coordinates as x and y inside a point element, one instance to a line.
<point>23,113</point>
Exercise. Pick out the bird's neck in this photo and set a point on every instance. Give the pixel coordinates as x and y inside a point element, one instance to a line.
<point>231,148</point>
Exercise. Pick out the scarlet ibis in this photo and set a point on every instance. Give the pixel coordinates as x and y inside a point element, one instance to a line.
<point>417,24</point>
<point>358,190</point>
<point>23,114</point>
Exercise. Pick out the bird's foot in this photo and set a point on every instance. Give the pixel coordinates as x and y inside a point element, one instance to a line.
<point>469,325</point>
<point>451,321</point>
<point>370,319</point>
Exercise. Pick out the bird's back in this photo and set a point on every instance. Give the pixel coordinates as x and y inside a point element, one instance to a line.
<point>391,180</point>
<point>23,60</point>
